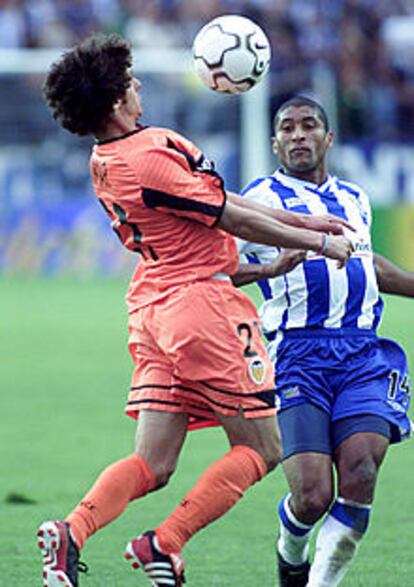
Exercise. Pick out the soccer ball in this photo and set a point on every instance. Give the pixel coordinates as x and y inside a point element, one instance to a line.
<point>231,54</point>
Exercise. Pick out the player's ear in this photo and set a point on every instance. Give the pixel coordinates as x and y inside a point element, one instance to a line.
<point>118,104</point>
<point>275,147</point>
<point>329,139</point>
<point>117,109</point>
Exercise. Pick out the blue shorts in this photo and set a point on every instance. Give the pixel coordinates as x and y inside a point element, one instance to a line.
<point>344,374</point>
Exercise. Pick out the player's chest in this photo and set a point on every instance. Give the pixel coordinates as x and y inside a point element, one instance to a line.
<point>347,207</point>
<point>313,202</point>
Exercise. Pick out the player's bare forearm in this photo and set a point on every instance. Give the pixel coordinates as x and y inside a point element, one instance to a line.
<point>248,273</point>
<point>290,218</point>
<point>254,226</point>
<point>284,262</point>
<point>323,223</point>
<point>392,279</point>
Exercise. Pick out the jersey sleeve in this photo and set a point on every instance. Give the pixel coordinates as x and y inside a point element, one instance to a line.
<point>180,181</point>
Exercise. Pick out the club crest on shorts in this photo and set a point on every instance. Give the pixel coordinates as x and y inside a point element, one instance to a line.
<point>257,370</point>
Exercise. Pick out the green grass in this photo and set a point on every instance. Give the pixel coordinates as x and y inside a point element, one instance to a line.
<point>64,377</point>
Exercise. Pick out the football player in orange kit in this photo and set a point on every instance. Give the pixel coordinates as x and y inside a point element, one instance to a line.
<point>194,338</point>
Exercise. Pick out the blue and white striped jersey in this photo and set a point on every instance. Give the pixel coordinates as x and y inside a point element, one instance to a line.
<point>316,293</point>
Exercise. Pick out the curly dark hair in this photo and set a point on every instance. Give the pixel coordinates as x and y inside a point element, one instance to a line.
<point>83,86</point>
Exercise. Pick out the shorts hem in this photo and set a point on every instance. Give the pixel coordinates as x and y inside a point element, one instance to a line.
<point>301,449</point>
<point>200,418</point>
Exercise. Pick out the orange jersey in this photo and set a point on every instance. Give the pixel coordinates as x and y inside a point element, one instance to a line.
<point>163,198</point>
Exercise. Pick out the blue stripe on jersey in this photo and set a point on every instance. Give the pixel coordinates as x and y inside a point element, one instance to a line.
<point>285,194</point>
<point>344,186</point>
<point>252,185</point>
<point>262,283</point>
<point>317,282</point>
<point>357,282</point>
<point>288,304</point>
<point>331,202</point>
<point>377,309</point>
<point>266,290</point>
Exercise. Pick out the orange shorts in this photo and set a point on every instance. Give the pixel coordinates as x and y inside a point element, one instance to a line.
<point>200,351</point>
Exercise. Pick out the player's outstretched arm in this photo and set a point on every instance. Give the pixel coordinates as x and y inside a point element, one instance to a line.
<point>392,279</point>
<point>323,223</point>
<point>251,272</point>
<point>254,226</point>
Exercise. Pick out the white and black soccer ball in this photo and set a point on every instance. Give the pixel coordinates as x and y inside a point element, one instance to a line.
<point>231,54</point>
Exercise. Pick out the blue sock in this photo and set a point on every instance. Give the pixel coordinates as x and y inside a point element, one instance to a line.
<point>351,514</point>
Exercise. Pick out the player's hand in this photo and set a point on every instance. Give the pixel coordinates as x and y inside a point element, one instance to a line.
<point>337,247</point>
<point>326,223</point>
<point>285,262</point>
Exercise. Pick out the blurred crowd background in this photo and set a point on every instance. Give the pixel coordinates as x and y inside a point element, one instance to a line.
<point>364,49</point>
<point>368,43</point>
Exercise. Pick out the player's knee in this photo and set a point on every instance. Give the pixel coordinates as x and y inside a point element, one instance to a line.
<point>162,473</point>
<point>161,469</point>
<point>275,458</point>
<point>312,503</point>
<point>271,456</point>
<point>271,462</point>
<point>358,480</point>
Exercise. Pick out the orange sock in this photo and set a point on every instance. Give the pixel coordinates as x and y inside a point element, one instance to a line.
<point>217,490</point>
<point>117,485</point>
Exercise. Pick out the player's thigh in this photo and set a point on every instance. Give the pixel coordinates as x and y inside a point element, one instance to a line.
<point>259,434</point>
<point>307,452</point>
<point>159,440</point>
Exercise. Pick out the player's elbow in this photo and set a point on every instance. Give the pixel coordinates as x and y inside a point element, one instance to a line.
<point>243,231</point>
<point>234,220</point>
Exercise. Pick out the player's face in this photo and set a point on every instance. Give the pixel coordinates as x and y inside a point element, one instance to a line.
<point>132,99</point>
<point>301,140</point>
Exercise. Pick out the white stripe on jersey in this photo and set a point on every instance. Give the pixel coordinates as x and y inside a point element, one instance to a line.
<point>366,318</point>
<point>317,293</point>
<point>296,283</point>
<point>277,305</point>
<point>338,293</point>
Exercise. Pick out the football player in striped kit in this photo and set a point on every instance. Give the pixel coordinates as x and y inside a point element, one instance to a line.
<point>343,392</point>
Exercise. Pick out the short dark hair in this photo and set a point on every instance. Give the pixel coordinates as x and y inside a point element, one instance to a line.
<point>302,101</point>
<point>83,86</point>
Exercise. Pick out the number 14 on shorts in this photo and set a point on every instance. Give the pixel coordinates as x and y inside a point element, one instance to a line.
<point>399,387</point>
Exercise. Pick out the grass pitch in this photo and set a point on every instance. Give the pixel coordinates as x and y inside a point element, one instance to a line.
<point>64,378</point>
